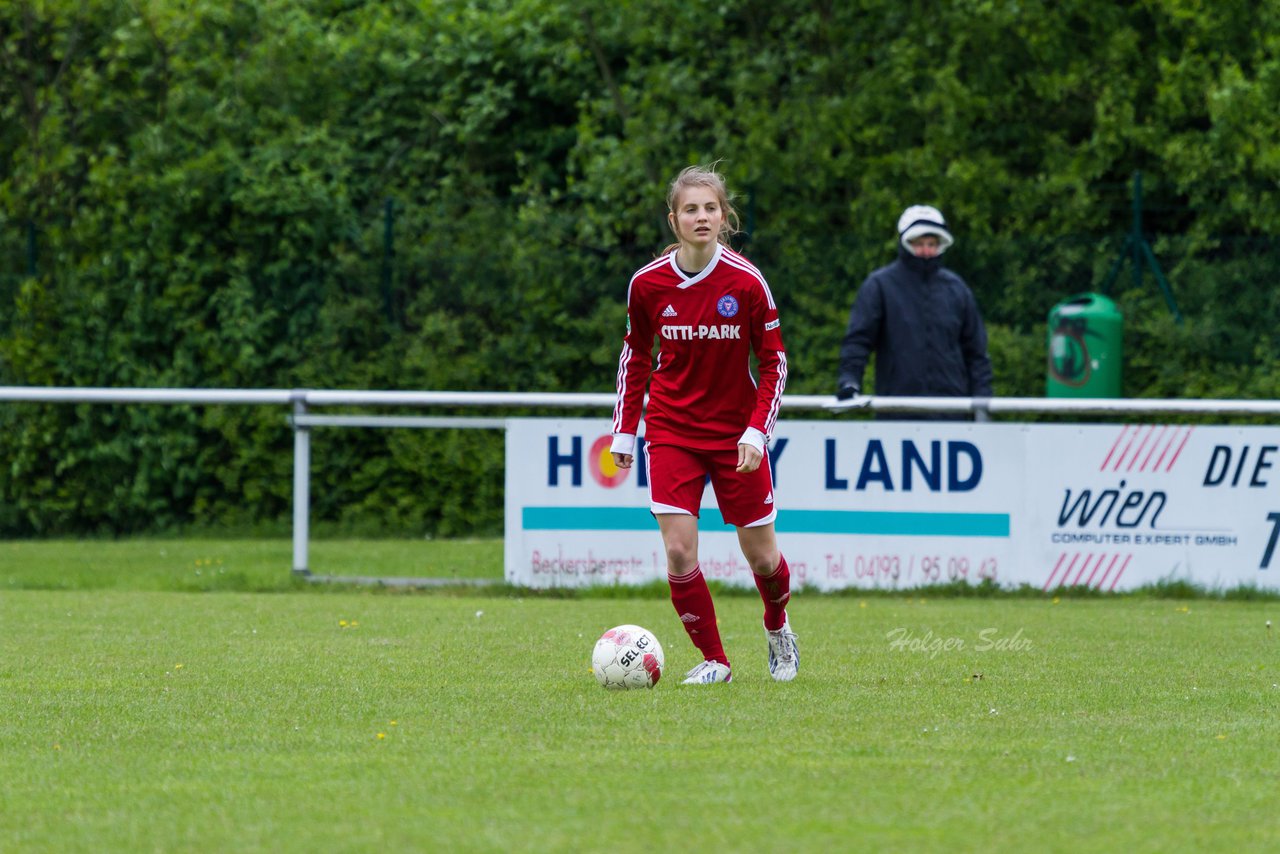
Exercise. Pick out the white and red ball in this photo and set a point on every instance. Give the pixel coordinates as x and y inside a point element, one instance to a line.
<point>627,657</point>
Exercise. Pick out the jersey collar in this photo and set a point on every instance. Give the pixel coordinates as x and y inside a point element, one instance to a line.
<point>690,281</point>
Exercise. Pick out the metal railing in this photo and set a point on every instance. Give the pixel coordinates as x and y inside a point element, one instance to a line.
<point>302,420</point>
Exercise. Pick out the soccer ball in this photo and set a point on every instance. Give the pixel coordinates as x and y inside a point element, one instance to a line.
<point>627,657</point>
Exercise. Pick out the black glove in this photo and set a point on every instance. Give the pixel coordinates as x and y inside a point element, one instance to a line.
<point>847,391</point>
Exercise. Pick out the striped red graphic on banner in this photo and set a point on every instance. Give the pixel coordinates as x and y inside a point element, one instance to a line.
<point>1096,560</point>
<point>1089,583</point>
<point>1115,580</point>
<point>1164,429</point>
<point>1176,453</point>
<point>1129,446</point>
<point>1151,432</point>
<point>1085,566</point>
<point>1056,567</point>
<point>1114,445</point>
<point>1125,452</point>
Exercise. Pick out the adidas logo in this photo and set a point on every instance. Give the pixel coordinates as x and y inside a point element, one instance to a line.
<point>669,311</point>
<point>768,499</point>
<point>688,618</point>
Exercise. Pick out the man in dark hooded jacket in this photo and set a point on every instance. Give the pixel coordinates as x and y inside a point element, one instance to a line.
<point>921,320</point>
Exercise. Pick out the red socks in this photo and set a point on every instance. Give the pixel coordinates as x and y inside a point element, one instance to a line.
<point>692,601</point>
<point>775,590</point>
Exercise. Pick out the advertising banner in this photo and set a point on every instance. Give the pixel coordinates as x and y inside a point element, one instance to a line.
<point>877,504</point>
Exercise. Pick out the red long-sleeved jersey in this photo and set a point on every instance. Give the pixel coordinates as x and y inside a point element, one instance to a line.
<point>702,395</point>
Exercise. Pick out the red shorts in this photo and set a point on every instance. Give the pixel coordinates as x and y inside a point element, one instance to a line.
<point>677,477</point>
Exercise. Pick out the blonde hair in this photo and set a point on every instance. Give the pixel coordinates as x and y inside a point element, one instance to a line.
<point>703,176</point>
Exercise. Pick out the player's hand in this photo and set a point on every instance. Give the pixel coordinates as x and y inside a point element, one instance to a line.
<point>623,461</point>
<point>748,458</point>
<point>851,395</point>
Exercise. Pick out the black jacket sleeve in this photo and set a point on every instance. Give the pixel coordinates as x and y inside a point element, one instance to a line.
<point>862,335</point>
<point>973,343</point>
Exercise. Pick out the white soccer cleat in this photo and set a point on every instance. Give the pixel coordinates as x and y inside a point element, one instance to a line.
<point>707,673</point>
<point>784,655</point>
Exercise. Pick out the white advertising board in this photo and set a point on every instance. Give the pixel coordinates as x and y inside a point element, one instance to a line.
<point>878,504</point>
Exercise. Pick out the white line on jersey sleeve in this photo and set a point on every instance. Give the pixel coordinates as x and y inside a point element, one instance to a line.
<point>776,404</point>
<point>622,386</point>
<point>733,259</point>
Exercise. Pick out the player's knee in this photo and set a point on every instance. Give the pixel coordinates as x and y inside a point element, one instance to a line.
<point>681,556</point>
<point>763,564</point>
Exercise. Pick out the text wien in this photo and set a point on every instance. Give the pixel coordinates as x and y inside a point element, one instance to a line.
<point>1132,512</point>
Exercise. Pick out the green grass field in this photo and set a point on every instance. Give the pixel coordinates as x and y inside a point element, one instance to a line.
<point>258,565</point>
<point>138,716</point>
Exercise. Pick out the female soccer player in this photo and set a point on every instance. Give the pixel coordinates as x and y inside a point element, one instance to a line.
<point>710,309</point>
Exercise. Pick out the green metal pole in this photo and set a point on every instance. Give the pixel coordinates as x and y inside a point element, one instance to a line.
<point>1114,272</point>
<point>1137,238</point>
<point>1163,282</point>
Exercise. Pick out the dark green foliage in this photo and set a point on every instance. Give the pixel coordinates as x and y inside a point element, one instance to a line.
<point>197,194</point>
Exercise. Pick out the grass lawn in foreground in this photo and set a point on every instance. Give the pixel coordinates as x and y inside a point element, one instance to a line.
<point>360,721</point>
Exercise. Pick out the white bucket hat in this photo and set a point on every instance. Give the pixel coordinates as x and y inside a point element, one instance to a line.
<point>919,220</point>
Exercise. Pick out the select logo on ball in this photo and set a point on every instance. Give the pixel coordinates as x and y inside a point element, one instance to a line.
<point>600,463</point>
<point>627,656</point>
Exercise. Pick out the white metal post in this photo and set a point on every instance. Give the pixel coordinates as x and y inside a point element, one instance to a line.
<point>301,485</point>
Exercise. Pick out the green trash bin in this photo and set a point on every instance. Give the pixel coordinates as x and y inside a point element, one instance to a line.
<point>1084,347</point>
